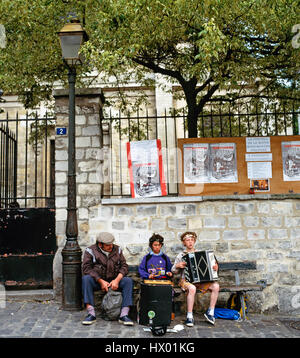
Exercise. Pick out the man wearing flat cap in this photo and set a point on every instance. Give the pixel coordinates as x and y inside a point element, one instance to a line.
<point>103,267</point>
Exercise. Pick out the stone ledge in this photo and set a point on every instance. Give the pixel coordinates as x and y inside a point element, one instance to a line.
<point>188,199</point>
<point>36,295</point>
<point>88,92</point>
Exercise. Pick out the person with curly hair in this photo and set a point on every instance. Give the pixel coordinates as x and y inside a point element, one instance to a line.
<point>189,239</point>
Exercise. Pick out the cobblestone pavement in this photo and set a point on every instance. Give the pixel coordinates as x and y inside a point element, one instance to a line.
<point>28,318</point>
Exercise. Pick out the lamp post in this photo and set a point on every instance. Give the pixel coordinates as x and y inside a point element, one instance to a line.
<point>71,37</point>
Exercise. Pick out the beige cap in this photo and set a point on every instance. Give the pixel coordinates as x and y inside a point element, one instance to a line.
<point>105,238</point>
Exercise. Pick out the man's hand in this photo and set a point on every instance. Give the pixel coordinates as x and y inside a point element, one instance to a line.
<point>215,267</point>
<point>104,285</point>
<point>114,285</point>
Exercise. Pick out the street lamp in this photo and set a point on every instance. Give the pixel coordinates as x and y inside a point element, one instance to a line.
<point>71,37</point>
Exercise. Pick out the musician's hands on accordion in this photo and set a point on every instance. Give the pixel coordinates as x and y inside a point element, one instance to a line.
<point>200,266</point>
<point>182,264</point>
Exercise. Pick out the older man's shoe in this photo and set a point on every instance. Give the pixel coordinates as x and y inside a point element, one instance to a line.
<point>89,319</point>
<point>126,321</point>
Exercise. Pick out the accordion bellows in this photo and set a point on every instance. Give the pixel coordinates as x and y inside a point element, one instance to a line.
<point>199,266</point>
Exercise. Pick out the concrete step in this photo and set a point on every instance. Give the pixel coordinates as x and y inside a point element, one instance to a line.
<point>36,295</point>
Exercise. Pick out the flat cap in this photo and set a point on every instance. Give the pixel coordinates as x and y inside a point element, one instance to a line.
<point>105,238</point>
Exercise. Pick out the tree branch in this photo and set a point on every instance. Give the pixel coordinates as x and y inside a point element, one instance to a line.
<point>157,69</point>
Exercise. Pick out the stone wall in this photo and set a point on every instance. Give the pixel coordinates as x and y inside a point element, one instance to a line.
<point>88,166</point>
<point>264,228</point>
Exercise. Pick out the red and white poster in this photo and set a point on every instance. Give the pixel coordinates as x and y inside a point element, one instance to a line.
<point>146,169</point>
<point>291,160</point>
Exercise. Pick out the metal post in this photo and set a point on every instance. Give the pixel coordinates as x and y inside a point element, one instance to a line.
<point>71,252</point>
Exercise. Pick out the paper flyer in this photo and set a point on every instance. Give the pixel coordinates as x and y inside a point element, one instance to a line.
<point>196,163</point>
<point>223,163</point>
<point>146,169</point>
<point>291,160</point>
<point>258,170</point>
<point>210,163</point>
<point>258,144</point>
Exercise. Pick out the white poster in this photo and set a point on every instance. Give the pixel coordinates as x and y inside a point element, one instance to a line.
<point>223,163</point>
<point>258,170</point>
<point>291,160</point>
<point>258,157</point>
<point>209,163</point>
<point>146,169</point>
<point>196,163</point>
<point>258,144</point>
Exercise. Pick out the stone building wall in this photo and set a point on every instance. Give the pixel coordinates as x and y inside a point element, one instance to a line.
<point>88,166</point>
<point>263,228</point>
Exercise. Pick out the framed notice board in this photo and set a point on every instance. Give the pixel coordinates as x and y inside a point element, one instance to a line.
<point>239,165</point>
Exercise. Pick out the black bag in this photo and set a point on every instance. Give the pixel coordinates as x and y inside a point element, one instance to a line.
<point>159,330</point>
<point>111,305</point>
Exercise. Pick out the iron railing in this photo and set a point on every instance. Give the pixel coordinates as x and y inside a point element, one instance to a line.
<point>27,166</point>
<point>217,120</point>
<point>8,165</point>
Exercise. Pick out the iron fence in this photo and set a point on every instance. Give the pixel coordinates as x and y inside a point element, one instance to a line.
<point>27,161</point>
<point>8,165</point>
<point>218,119</point>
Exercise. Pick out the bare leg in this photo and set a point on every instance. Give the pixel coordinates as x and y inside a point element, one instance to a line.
<point>190,297</point>
<point>214,288</point>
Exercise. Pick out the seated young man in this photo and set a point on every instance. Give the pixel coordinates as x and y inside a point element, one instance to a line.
<point>103,267</point>
<point>189,239</point>
<point>156,265</point>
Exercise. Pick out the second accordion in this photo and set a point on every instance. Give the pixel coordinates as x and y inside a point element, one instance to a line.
<point>199,266</point>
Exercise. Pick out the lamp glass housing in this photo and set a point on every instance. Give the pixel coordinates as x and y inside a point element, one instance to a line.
<point>72,37</point>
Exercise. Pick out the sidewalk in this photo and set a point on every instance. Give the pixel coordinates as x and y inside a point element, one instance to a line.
<point>38,315</point>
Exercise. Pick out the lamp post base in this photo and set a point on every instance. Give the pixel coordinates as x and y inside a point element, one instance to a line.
<point>71,285</point>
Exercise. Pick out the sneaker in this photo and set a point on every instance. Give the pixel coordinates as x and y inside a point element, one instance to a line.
<point>209,318</point>
<point>89,319</point>
<point>126,321</point>
<point>189,322</point>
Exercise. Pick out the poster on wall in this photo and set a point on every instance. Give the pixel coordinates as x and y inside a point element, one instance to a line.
<point>291,160</point>
<point>260,170</point>
<point>223,163</point>
<point>258,144</point>
<point>196,163</point>
<point>260,185</point>
<point>210,163</point>
<point>146,169</point>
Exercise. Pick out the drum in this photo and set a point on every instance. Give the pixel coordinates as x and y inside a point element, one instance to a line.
<point>156,302</point>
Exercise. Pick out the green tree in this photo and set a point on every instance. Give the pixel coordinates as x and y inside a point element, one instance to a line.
<point>205,46</point>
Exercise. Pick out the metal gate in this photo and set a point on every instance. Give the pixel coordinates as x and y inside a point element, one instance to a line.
<point>27,213</point>
<point>8,165</point>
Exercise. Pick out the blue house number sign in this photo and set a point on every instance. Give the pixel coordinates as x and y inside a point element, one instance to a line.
<point>61,131</point>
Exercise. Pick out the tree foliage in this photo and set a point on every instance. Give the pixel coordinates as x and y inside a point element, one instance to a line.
<point>205,46</point>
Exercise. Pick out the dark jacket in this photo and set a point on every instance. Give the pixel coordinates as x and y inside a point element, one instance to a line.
<point>96,264</point>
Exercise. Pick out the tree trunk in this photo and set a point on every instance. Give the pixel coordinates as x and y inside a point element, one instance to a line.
<point>191,100</point>
<point>194,109</point>
<point>192,122</point>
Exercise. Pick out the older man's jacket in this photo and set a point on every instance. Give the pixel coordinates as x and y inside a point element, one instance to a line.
<point>98,265</point>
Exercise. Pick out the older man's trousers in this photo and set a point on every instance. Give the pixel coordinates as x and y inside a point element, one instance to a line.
<point>89,285</point>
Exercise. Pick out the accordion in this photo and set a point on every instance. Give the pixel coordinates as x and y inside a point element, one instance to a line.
<point>199,266</point>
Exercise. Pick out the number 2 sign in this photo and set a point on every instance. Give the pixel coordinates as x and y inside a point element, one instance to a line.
<point>61,131</point>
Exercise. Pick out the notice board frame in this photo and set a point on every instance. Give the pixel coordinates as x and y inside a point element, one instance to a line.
<point>276,185</point>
